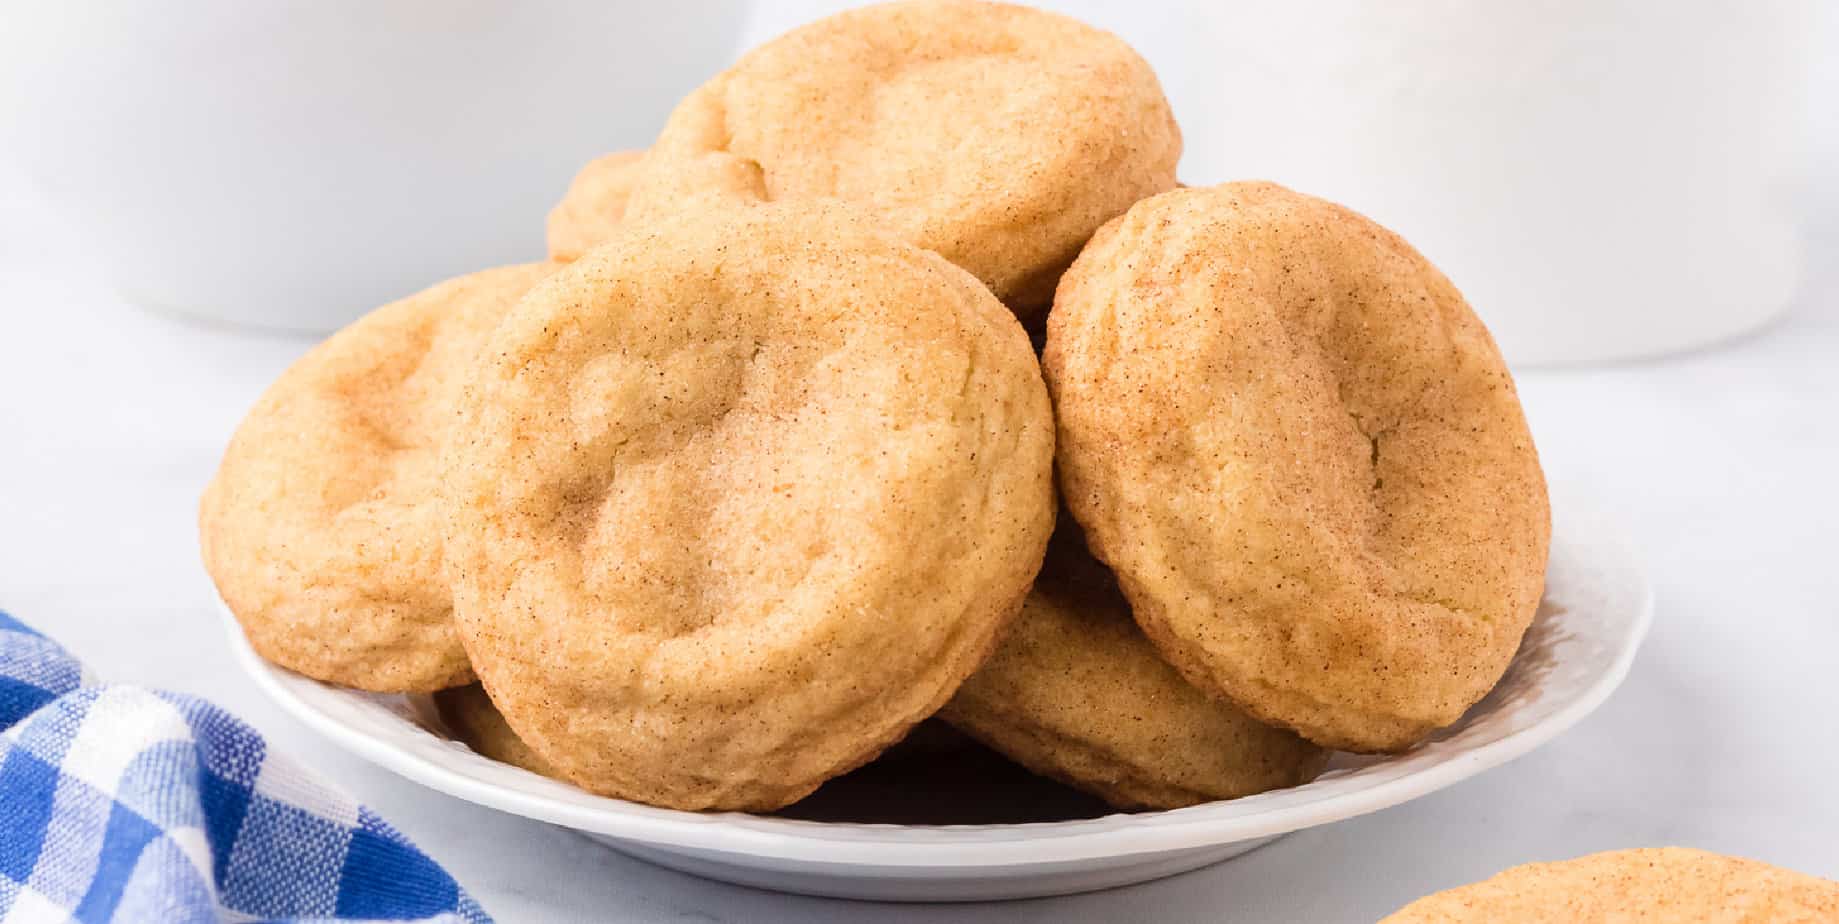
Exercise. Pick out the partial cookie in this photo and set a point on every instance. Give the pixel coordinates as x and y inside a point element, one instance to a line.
<point>320,527</point>
<point>593,206</point>
<point>1303,456</point>
<point>742,497</point>
<point>1075,692</point>
<point>1669,884</point>
<point>996,135</point>
<point>473,719</point>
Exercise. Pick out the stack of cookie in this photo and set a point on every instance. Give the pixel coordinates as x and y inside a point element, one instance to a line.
<point>759,469</point>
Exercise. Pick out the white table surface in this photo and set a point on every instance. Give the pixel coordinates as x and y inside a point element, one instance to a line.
<point>1721,463</point>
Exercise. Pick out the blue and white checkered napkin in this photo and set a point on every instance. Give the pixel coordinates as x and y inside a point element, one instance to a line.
<point>123,804</point>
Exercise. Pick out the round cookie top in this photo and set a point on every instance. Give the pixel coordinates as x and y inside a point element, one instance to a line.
<point>320,527</point>
<point>996,135</point>
<point>1303,456</point>
<point>1669,884</point>
<point>743,496</point>
<point>1075,692</point>
<point>593,206</point>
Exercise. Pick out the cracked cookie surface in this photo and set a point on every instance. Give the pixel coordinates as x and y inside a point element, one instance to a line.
<point>1075,692</point>
<point>320,527</point>
<point>743,496</point>
<point>996,135</point>
<point>1303,456</point>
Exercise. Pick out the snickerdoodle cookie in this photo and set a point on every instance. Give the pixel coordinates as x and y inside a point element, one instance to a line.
<point>320,527</point>
<point>475,720</point>
<point>1669,885</point>
<point>593,206</point>
<point>1303,456</point>
<point>1076,692</point>
<point>742,496</point>
<point>996,135</point>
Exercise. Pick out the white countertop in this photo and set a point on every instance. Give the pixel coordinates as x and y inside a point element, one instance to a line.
<point>1722,464</point>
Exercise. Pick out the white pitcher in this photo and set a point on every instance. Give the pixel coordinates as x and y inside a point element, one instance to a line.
<point>1601,178</point>
<point>293,163</point>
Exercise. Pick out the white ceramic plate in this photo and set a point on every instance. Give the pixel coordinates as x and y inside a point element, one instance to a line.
<point>1596,610</point>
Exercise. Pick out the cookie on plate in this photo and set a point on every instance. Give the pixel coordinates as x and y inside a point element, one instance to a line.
<point>742,496</point>
<point>997,135</point>
<point>320,528</point>
<point>1076,693</point>
<point>1304,458</point>
<point>593,206</point>
<point>475,720</point>
<point>1669,884</point>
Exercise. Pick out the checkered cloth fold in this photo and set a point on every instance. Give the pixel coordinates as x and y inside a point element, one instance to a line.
<point>124,804</point>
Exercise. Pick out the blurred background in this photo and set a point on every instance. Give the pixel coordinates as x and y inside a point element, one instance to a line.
<point>1603,179</point>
